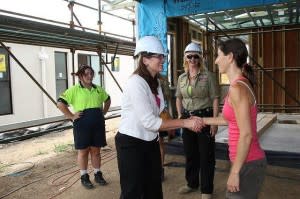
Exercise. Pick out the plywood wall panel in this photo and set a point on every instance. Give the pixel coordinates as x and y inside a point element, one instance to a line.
<point>292,60</point>
<point>277,49</point>
<point>278,92</point>
<point>292,80</point>
<point>268,50</point>
<point>292,48</point>
<point>267,95</point>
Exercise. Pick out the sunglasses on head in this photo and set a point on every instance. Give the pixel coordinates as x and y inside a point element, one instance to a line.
<point>191,56</point>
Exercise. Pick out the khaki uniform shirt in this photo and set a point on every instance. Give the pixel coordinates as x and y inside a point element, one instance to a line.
<point>204,90</point>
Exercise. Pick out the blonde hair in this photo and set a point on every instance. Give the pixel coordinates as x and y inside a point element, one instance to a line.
<point>186,64</point>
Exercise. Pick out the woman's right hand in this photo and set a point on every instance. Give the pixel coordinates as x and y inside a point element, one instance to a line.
<point>76,115</point>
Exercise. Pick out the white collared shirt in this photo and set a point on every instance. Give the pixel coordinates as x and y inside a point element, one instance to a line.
<point>140,112</point>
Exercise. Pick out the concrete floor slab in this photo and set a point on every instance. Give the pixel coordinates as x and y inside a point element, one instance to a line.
<point>282,137</point>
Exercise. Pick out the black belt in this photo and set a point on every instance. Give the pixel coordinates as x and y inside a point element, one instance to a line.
<point>200,112</point>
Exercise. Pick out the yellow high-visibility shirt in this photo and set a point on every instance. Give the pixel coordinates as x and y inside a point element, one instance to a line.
<point>81,98</point>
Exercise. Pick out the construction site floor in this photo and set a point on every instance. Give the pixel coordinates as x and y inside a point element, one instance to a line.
<point>45,167</point>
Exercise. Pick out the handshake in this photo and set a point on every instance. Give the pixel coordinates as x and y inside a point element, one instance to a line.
<point>194,123</point>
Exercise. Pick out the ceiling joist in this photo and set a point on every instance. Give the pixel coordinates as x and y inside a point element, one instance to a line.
<point>286,13</point>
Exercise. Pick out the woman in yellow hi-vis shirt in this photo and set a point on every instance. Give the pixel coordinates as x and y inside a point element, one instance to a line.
<point>90,103</point>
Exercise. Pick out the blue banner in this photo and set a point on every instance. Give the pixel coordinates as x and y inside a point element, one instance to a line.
<point>152,20</point>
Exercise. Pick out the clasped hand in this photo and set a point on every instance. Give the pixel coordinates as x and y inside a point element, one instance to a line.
<point>76,116</point>
<point>195,123</point>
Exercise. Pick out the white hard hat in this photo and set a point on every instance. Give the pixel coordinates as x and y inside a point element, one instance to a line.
<point>150,44</point>
<point>193,47</point>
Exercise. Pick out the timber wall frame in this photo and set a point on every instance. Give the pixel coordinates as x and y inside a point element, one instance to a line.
<point>277,50</point>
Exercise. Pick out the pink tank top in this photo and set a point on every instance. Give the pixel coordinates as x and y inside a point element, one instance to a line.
<point>255,151</point>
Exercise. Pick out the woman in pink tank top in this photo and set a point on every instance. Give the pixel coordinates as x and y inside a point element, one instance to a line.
<point>239,112</point>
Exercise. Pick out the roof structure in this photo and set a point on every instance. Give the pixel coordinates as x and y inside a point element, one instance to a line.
<point>33,30</point>
<point>279,14</point>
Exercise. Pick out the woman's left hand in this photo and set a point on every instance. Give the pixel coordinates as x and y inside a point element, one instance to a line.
<point>77,115</point>
<point>233,182</point>
<point>213,130</point>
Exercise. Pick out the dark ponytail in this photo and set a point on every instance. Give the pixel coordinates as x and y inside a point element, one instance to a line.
<point>248,72</point>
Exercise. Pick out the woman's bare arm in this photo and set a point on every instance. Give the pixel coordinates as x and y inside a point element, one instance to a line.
<point>239,98</point>
<point>220,121</point>
<point>179,106</point>
<point>195,124</point>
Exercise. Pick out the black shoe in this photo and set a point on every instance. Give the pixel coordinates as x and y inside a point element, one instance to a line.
<point>162,174</point>
<point>99,178</point>
<point>85,181</point>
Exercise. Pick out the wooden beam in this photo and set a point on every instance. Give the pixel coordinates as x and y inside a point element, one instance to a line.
<point>290,14</point>
<point>270,14</point>
<point>261,21</point>
<point>264,121</point>
<point>297,12</point>
<point>198,22</point>
<point>208,17</point>
<point>233,18</point>
<point>253,20</point>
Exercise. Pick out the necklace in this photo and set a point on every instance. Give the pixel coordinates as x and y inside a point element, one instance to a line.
<point>193,76</point>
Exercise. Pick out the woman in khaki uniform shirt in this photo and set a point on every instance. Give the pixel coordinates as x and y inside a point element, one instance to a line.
<point>197,94</point>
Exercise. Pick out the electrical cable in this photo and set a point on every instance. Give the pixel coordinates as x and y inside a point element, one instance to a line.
<point>7,194</point>
<point>106,155</point>
<point>65,181</point>
<point>66,188</point>
<point>25,185</point>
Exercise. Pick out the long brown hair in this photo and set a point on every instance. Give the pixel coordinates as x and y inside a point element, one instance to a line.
<point>142,71</point>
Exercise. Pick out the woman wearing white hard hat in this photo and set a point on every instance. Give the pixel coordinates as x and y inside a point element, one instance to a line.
<point>137,144</point>
<point>197,94</point>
